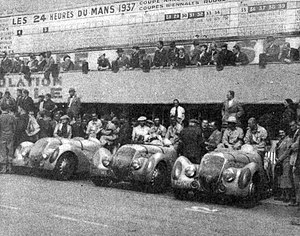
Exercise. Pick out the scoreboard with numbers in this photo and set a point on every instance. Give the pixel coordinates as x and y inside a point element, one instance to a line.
<point>145,21</point>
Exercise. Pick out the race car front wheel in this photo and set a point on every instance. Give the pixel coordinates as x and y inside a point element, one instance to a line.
<point>65,167</point>
<point>159,179</point>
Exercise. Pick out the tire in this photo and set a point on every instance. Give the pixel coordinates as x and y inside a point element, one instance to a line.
<point>180,194</point>
<point>100,182</point>
<point>65,167</point>
<point>159,179</point>
<point>253,199</point>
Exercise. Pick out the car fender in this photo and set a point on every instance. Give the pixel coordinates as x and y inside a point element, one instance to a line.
<point>96,166</point>
<point>179,180</point>
<point>21,155</point>
<point>152,162</point>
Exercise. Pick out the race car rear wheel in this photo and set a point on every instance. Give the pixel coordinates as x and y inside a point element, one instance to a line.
<point>159,179</point>
<point>65,167</point>
<point>100,182</point>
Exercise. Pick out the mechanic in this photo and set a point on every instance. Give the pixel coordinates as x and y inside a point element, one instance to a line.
<point>215,138</point>
<point>109,132</point>
<point>63,129</point>
<point>233,135</point>
<point>141,132</point>
<point>157,131</point>
<point>7,133</point>
<point>94,126</point>
<point>256,136</point>
<point>173,131</point>
<point>191,143</point>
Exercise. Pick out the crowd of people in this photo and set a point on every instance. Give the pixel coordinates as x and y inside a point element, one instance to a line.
<point>23,120</point>
<point>173,56</point>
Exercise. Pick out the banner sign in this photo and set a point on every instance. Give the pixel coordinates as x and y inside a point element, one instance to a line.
<point>146,21</point>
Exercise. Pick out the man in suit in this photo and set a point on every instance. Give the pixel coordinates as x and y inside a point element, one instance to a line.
<point>177,111</point>
<point>74,104</point>
<point>288,54</point>
<point>226,57</point>
<point>271,52</point>
<point>27,102</point>
<point>231,107</point>
<point>241,58</point>
<point>161,56</point>
<point>6,64</point>
<point>204,56</point>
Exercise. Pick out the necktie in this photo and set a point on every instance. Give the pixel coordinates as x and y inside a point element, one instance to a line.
<point>176,112</point>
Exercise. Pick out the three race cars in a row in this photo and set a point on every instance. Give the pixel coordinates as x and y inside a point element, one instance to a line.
<point>155,166</point>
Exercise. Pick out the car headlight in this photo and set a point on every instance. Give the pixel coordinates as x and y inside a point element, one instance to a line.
<point>24,154</point>
<point>177,170</point>
<point>45,156</point>
<point>190,171</point>
<point>106,160</point>
<point>54,156</point>
<point>229,175</point>
<point>136,164</point>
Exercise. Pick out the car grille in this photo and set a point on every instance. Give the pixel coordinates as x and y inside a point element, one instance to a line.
<point>210,170</point>
<point>122,160</point>
<point>36,151</point>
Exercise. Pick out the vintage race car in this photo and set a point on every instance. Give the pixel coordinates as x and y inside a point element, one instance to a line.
<point>221,173</point>
<point>64,157</point>
<point>149,165</point>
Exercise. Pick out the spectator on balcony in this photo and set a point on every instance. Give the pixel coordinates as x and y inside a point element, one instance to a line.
<point>67,64</point>
<point>33,63</point>
<point>103,63</point>
<point>288,54</point>
<point>182,59</point>
<point>17,64</point>
<point>195,53</point>
<point>241,58</point>
<point>122,61</point>
<point>226,57</point>
<point>135,57</point>
<point>42,61</point>
<point>270,54</point>
<point>145,61</point>
<point>172,55</point>
<point>160,56</point>
<point>204,56</point>
<point>6,64</point>
<point>213,53</point>
<point>49,65</point>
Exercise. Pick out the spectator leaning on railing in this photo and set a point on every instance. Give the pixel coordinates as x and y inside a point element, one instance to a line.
<point>161,56</point>
<point>241,58</point>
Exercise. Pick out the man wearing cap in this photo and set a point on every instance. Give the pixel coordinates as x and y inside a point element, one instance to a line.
<point>191,142</point>
<point>7,132</point>
<point>256,136</point>
<point>233,136</point>
<point>159,129</point>
<point>173,132</point>
<point>94,126</point>
<point>63,129</point>
<point>74,104</point>
<point>141,132</point>
<point>67,65</point>
<point>103,63</point>
<point>177,111</point>
<point>232,107</point>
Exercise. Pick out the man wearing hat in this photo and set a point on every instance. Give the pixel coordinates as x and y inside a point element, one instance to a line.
<point>141,132</point>
<point>63,129</point>
<point>270,54</point>
<point>159,129</point>
<point>17,64</point>
<point>74,104</point>
<point>122,61</point>
<point>135,58</point>
<point>231,107</point>
<point>67,65</point>
<point>94,126</point>
<point>225,57</point>
<point>49,105</point>
<point>109,132</point>
<point>103,63</point>
<point>191,142</point>
<point>233,135</point>
<point>173,132</point>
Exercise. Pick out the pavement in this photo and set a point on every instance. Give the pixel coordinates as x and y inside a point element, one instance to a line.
<point>32,206</point>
